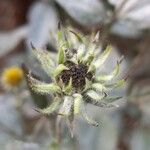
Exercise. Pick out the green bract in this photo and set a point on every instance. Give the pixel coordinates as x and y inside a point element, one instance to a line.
<point>75,76</point>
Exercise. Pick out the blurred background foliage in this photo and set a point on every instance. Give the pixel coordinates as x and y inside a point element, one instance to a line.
<point>123,23</point>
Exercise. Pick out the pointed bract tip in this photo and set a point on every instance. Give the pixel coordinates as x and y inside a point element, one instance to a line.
<point>68,88</point>
<point>77,35</point>
<point>121,59</point>
<point>37,110</point>
<point>25,69</point>
<point>97,124</point>
<point>96,38</point>
<point>59,69</point>
<point>32,46</point>
<point>105,94</point>
<point>61,56</point>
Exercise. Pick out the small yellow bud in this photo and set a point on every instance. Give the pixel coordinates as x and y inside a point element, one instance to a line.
<point>12,76</point>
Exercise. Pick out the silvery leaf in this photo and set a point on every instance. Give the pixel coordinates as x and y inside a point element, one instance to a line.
<point>84,11</point>
<point>9,40</point>
<point>42,20</point>
<point>132,16</point>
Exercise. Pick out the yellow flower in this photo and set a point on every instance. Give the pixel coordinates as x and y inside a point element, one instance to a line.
<point>12,76</point>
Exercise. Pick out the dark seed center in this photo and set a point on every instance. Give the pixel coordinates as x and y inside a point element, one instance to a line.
<point>78,73</point>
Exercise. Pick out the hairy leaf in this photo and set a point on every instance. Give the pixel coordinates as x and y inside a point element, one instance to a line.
<point>77,103</point>
<point>67,89</point>
<point>98,87</point>
<point>66,109</point>
<point>59,69</point>
<point>87,118</point>
<point>61,56</point>
<point>95,96</point>
<point>45,59</point>
<point>113,74</point>
<point>41,87</point>
<point>103,57</point>
<point>51,108</point>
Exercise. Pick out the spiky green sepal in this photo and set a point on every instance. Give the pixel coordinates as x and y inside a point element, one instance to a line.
<point>95,96</point>
<point>59,69</point>
<point>41,87</point>
<point>112,75</point>
<point>87,118</point>
<point>88,84</point>
<point>61,56</point>
<point>78,100</point>
<point>68,89</point>
<point>98,87</point>
<point>92,68</point>
<point>51,108</point>
<point>103,57</point>
<point>117,84</point>
<point>89,59</point>
<point>66,109</point>
<point>45,59</point>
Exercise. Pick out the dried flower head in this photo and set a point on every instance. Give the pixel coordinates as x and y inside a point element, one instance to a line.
<point>75,76</point>
<point>12,77</point>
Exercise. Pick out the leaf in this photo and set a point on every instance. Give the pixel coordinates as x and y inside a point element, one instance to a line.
<point>41,101</point>
<point>98,87</point>
<point>113,74</point>
<point>41,87</point>
<point>81,52</point>
<point>78,36</point>
<point>10,39</point>
<point>87,118</point>
<point>115,85</point>
<point>102,103</point>
<point>59,69</point>
<point>83,11</point>
<point>103,57</point>
<point>45,59</point>
<point>90,120</point>
<point>88,60</point>
<point>96,38</point>
<point>51,108</point>
<point>68,89</point>
<point>60,35</point>
<point>93,95</point>
<point>62,38</point>
<point>77,103</point>
<point>88,84</point>
<point>132,17</point>
<point>111,99</point>
<point>66,109</point>
<point>61,56</point>
<point>92,68</point>
<point>39,29</point>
